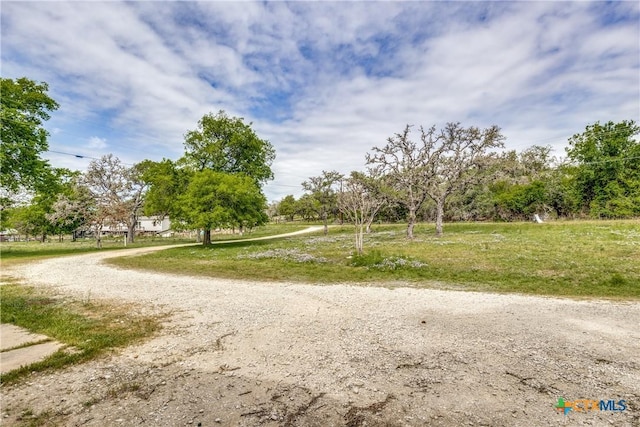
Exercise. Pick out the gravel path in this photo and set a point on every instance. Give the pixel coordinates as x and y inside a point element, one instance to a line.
<point>249,353</point>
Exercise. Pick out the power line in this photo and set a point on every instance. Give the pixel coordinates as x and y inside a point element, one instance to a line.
<point>79,156</point>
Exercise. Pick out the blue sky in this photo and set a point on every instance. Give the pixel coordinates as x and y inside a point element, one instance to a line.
<point>322,81</point>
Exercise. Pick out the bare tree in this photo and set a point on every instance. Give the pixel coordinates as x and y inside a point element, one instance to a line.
<point>457,162</point>
<point>442,163</point>
<point>118,191</point>
<point>360,200</point>
<point>323,190</point>
<point>405,165</point>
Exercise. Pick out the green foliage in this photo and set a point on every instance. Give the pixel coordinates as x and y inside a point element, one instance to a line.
<point>608,169</point>
<point>287,207</point>
<point>520,201</point>
<point>24,105</point>
<point>308,207</point>
<point>226,144</point>
<point>323,190</point>
<point>33,219</point>
<point>223,200</point>
<point>367,259</point>
<point>217,183</point>
<point>166,183</point>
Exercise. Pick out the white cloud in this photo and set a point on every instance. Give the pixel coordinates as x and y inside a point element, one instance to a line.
<point>97,143</point>
<point>324,81</point>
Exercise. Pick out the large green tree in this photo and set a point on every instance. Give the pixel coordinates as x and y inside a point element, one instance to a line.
<point>223,200</point>
<point>24,106</point>
<point>607,173</point>
<point>227,144</point>
<point>166,181</point>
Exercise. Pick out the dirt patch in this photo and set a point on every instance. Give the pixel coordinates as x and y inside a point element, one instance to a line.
<point>253,354</point>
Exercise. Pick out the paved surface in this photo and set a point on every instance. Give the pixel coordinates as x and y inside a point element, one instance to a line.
<point>20,347</point>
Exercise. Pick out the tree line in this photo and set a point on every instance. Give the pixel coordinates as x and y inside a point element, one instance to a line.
<point>464,174</point>
<point>217,183</point>
<point>455,173</point>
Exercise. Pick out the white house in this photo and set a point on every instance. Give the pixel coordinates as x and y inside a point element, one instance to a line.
<point>146,225</point>
<point>153,225</point>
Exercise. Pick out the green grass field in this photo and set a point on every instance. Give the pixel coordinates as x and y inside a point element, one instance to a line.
<point>577,259</point>
<point>16,252</point>
<point>90,327</point>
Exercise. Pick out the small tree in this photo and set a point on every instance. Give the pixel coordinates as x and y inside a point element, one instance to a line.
<point>287,207</point>
<point>405,165</point>
<point>360,200</point>
<point>323,189</point>
<point>118,191</point>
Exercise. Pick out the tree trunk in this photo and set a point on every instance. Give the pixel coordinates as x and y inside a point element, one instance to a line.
<point>369,223</point>
<point>359,239</point>
<point>131,229</point>
<point>411,223</point>
<point>324,220</point>
<point>439,215</point>
<point>206,238</point>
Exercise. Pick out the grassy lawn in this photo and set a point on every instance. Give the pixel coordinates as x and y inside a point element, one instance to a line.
<point>18,252</point>
<point>91,328</point>
<point>578,259</point>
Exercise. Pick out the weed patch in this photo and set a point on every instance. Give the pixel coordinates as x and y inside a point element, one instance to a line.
<point>90,328</point>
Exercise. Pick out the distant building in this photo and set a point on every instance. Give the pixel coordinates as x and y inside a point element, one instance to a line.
<point>146,225</point>
<point>9,235</point>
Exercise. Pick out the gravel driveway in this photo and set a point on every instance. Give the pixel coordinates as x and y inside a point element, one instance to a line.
<point>250,353</point>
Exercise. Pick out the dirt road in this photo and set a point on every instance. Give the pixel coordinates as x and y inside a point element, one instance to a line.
<point>264,354</point>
